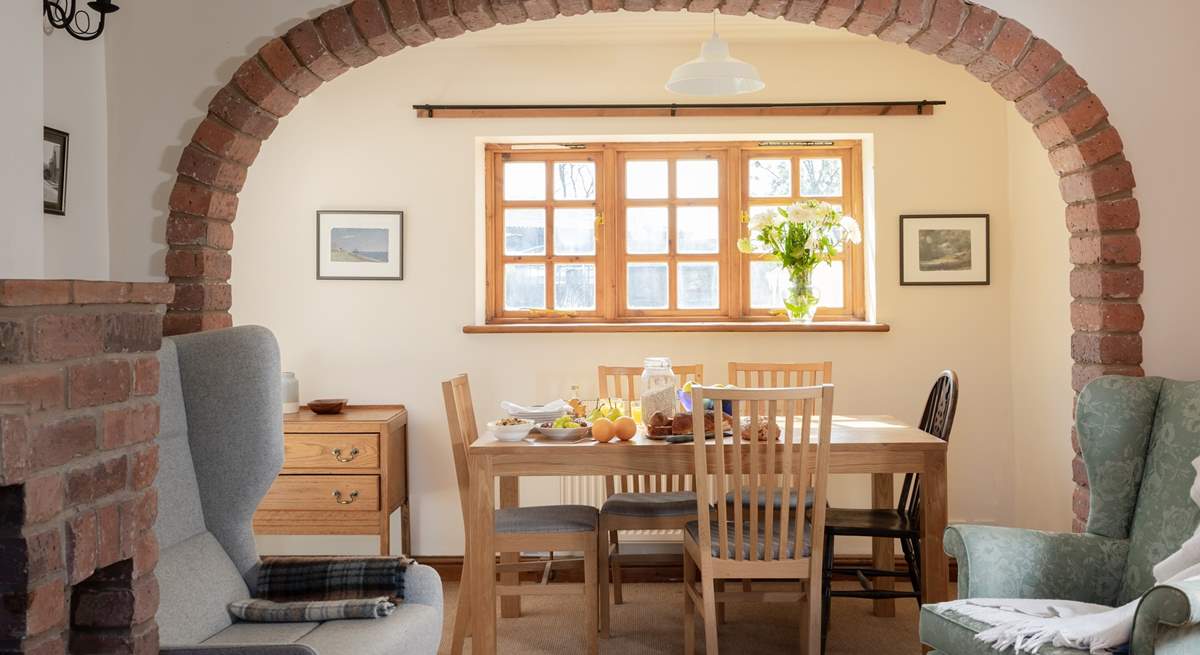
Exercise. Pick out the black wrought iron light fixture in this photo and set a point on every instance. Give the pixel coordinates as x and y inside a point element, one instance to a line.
<point>62,14</point>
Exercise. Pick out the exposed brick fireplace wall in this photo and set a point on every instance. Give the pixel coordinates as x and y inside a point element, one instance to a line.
<point>78,417</point>
<point>1085,150</point>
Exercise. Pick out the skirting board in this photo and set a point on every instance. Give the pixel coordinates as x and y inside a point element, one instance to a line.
<point>667,568</point>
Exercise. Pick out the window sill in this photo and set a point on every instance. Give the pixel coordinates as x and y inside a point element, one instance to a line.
<point>726,326</point>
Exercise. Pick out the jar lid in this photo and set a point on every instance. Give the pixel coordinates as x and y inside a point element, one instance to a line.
<point>657,362</point>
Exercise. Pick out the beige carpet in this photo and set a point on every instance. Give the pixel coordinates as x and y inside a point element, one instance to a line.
<point>650,621</point>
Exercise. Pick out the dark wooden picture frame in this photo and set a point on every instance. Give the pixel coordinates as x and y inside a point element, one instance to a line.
<point>905,274</point>
<point>54,171</point>
<point>399,245</point>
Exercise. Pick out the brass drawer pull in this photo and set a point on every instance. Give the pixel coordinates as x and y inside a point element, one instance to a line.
<point>337,454</point>
<point>337,496</point>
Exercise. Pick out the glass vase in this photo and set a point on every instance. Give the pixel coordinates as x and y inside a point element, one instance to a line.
<point>802,297</point>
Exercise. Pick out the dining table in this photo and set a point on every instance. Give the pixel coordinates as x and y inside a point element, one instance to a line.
<point>881,446</point>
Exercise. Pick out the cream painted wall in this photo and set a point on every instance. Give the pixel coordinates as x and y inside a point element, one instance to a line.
<point>21,142</point>
<point>1040,336</point>
<point>356,144</point>
<point>75,101</point>
<point>1140,59</point>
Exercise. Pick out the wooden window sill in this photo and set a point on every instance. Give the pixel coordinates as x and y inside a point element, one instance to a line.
<point>725,326</point>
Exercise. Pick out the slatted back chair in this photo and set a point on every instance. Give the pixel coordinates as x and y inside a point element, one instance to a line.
<point>936,419</point>
<point>524,529</point>
<point>772,374</point>
<point>767,541</point>
<point>625,381</point>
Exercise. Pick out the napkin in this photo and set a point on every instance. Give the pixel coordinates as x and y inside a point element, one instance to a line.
<point>552,406</point>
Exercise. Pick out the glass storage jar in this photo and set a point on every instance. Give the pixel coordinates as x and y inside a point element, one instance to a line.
<point>659,385</point>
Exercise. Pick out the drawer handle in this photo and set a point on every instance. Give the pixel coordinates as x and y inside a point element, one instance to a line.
<point>337,454</point>
<point>337,496</point>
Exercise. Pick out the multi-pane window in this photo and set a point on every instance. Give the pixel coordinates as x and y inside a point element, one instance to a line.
<point>636,232</point>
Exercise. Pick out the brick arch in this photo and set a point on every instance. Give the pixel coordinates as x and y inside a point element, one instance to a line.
<point>1084,149</point>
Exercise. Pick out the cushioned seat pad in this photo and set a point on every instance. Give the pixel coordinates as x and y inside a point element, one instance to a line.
<point>951,632</point>
<point>673,503</point>
<point>731,499</point>
<point>693,529</point>
<point>550,518</point>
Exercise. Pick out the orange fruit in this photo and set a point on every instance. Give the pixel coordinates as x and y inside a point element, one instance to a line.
<point>626,428</point>
<point>603,430</point>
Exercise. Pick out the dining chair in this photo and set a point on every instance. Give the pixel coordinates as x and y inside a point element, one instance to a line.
<point>521,529</point>
<point>766,542</point>
<point>638,502</point>
<point>902,523</point>
<point>773,374</point>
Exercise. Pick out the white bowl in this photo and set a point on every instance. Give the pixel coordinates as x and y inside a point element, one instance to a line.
<point>564,433</point>
<point>510,432</point>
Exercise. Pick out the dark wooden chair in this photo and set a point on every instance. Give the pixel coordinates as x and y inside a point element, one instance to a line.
<point>902,523</point>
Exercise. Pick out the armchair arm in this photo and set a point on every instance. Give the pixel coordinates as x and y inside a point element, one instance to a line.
<point>225,649</point>
<point>996,562</point>
<point>1168,620</point>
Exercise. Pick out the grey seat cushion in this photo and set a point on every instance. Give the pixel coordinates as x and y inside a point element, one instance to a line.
<point>196,582</point>
<point>412,628</point>
<point>243,634</point>
<point>951,632</point>
<point>674,503</point>
<point>550,518</point>
<point>731,530</point>
<point>731,499</point>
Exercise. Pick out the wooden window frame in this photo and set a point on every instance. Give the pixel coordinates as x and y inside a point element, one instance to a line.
<point>733,205</point>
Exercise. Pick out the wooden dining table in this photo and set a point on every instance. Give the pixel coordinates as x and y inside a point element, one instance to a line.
<point>878,445</point>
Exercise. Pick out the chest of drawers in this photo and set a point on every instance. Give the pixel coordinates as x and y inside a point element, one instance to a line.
<point>342,474</point>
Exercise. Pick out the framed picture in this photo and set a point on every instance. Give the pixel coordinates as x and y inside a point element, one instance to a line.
<point>54,171</point>
<point>942,249</point>
<point>360,245</point>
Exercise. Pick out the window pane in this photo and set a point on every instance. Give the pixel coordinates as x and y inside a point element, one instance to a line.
<point>525,180</point>
<point>768,285</point>
<point>645,179</point>
<point>524,286</point>
<point>574,286</point>
<point>696,230</point>
<point>575,231</point>
<point>646,286</point>
<point>757,210</point>
<point>770,178</point>
<point>820,177</point>
<point>524,231</point>
<point>697,178</point>
<point>574,180</point>
<point>699,286</point>
<point>646,230</point>
<point>829,280</point>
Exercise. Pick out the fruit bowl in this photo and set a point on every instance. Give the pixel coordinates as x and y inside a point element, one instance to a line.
<point>548,430</point>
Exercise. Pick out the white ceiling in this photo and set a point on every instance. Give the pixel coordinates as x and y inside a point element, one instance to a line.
<point>651,27</point>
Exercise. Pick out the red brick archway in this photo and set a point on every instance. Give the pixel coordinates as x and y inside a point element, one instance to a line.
<point>1084,149</point>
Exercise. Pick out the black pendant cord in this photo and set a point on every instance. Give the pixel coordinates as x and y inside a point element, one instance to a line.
<point>63,15</point>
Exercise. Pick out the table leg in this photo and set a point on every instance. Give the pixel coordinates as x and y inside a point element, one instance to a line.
<point>482,552</point>
<point>935,566</point>
<point>883,551</point>
<point>510,496</point>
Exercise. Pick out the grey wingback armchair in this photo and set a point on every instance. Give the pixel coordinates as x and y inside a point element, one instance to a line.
<point>220,447</point>
<point>1139,437</point>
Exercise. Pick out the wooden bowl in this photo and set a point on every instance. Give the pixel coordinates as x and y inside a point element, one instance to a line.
<point>327,405</point>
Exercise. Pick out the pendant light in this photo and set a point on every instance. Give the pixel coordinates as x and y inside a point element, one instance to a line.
<point>715,72</point>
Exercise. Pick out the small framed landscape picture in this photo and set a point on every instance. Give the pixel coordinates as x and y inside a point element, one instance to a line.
<point>360,245</point>
<point>944,249</point>
<point>54,171</point>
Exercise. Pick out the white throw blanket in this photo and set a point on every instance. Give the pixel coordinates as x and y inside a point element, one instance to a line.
<point>1028,624</point>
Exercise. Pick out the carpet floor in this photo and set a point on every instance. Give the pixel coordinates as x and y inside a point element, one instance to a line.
<point>650,621</point>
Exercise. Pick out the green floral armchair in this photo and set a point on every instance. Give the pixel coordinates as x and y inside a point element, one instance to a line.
<point>1139,437</point>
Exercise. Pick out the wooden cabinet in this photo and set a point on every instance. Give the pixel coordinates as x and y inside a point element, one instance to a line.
<point>342,474</point>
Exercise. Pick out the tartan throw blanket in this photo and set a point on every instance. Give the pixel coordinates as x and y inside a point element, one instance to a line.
<point>284,579</point>
<point>267,611</point>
